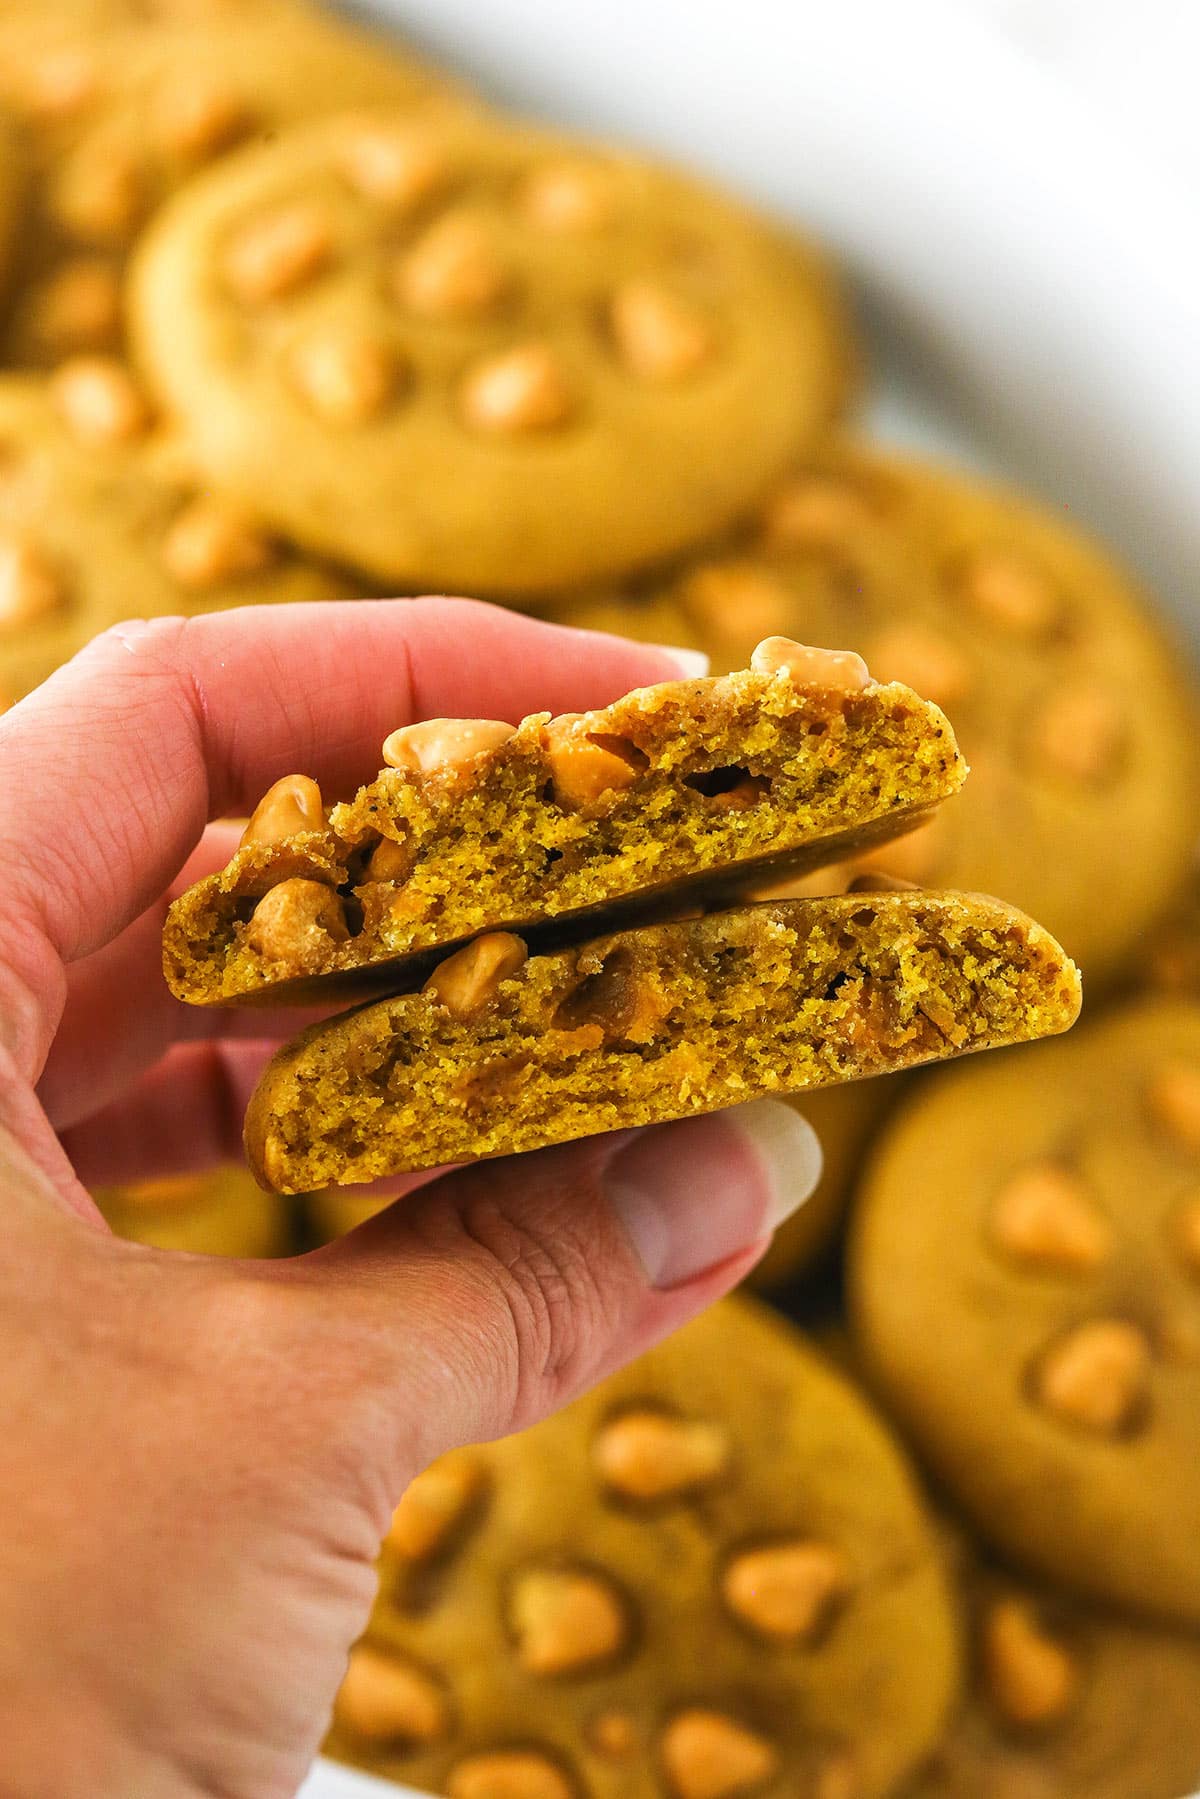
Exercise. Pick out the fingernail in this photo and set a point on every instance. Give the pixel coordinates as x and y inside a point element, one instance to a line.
<point>692,1194</point>
<point>691,662</point>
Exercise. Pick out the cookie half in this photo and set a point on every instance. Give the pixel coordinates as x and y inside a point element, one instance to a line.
<point>473,356</point>
<point>1042,1216</point>
<point>713,1576</point>
<point>480,826</point>
<point>503,1052</point>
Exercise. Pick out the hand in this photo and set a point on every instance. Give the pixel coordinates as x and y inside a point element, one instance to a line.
<point>201,1457</point>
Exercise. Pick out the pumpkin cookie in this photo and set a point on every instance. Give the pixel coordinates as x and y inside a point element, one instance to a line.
<point>120,118</point>
<point>1025,1275</point>
<point>476,356</point>
<point>1067,1702</point>
<point>93,530</point>
<point>711,1577</point>
<point>219,1214</point>
<point>502,1051</point>
<point>1071,708</point>
<point>477,825</point>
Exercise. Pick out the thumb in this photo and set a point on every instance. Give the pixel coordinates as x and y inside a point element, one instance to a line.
<point>490,1297</point>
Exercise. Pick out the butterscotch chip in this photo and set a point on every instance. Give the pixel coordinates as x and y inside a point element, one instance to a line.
<point>99,195</point>
<point>1031,1679</point>
<point>509,1774</point>
<point>297,919</point>
<point>1044,1215</point>
<point>1010,592</point>
<point>386,1699</point>
<point>1080,733</point>
<point>1097,1376</point>
<point>615,1735</point>
<point>786,1590</point>
<point>434,1507</point>
<point>468,981</point>
<point>741,600</point>
<point>649,1455</point>
<point>345,376</point>
<point>390,861</point>
<point>456,271</point>
<point>276,253</point>
<point>814,512</point>
<point>1186,1232</point>
<point>198,119</point>
<point>100,401</point>
<point>566,1620</point>
<point>923,659</point>
<point>707,1755</point>
<point>1174,1102</point>
<point>841,671</point>
<point>30,587</point>
<point>394,167</point>
<point>78,307</point>
<point>525,389</point>
<point>584,766</point>
<point>443,745</point>
<point>571,197</point>
<point>658,336</point>
<point>211,541</point>
<point>293,804</point>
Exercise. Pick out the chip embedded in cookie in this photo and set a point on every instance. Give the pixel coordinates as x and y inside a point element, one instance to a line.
<point>1070,704</point>
<point>668,794</point>
<point>470,355</point>
<point>711,1578</point>
<point>503,1051</point>
<point>94,530</point>
<point>1042,1215</point>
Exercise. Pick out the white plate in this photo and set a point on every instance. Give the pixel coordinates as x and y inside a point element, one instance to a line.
<point>1030,289</point>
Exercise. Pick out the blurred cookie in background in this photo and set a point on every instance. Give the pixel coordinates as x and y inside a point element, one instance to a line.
<point>97,524</point>
<point>223,1213</point>
<point>1024,1279</point>
<point>117,118</point>
<point>470,354</point>
<point>12,190</point>
<point>713,1576</point>
<point>1070,703</point>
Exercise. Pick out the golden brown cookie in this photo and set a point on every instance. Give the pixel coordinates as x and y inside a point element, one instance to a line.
<point>1025,1278</point>
<point>711,1577</point>
<point>669,794</point>
<point>502,1051</point>
<point>1071,707</point>
<point>119,118</point>
<point>478,356</point>
<point>93,530</point>
<point>219,1214</point>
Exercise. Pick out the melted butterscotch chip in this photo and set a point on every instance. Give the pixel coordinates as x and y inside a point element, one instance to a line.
<point>344,375</point>
<point>518,390</point>
<point>468,981</point>
<point>1010,592</point>
<point>276,253</point>
<point>1030,1679</point>
<point>456,271</point>
<point>836,671</point>
<point>738,599</point>
<point>815,512</point>
<point>198,118</point>
<point>566,1620</point>
<point>30,587</point>
<point>509,1774</point>
<point>708,1755</point>
<point>614,1735</point>
<point>78,307</point>
<point>658,336</point>
<point>925,660</point>
<point>585,766</point>
<point>99,400</point>
<point>1080,733</point>
<point>396,168</point>
<point>1185,1232</point>
<point>212,541</point>
<point>434,1507</point>
<point>387,1699</point>
<point>648,1455</point>
<point>1044,1215</point>
<point>1097,1377</point>
<point>568,197</point>
<point>1174,1102</point>
<point>787,1591</point>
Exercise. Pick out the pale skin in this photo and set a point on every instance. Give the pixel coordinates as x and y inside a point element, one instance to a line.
<point>201,1456</point>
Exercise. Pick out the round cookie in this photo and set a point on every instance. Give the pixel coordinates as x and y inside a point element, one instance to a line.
<point>1069,704</point>
<point>711,1577</point>
<point>475,355</point>
<point>1025,1282</point>
<point>225,1213</point>
<point>119,118</point>
<point>1068,1702</point>
<point>96,527</point>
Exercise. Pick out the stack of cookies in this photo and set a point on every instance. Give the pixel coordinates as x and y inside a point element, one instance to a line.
<point>287,313</point>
